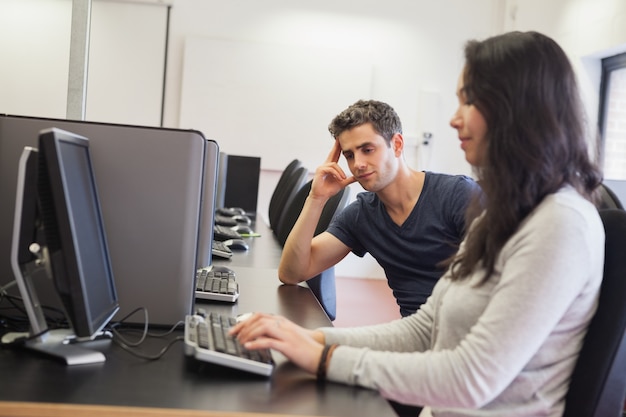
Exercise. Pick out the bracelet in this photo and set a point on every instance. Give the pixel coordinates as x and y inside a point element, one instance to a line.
<point>321,368</point>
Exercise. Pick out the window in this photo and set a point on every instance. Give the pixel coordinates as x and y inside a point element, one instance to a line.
<point>612,117</point>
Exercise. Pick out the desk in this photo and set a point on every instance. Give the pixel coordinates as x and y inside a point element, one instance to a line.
<point>264,252</point>
<point>176,386</point>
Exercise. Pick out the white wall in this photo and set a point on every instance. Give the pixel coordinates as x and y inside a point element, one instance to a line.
<point>415,47</point>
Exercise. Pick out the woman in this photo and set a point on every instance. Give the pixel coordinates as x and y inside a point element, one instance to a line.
<point>501,333</point>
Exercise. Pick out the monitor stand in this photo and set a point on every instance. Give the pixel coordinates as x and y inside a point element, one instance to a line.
<point>57,343</point>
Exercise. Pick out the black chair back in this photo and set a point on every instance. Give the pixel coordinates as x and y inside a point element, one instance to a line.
<point>335,204</point>
<point>608,198</point>
<point>284,193</point>
<point>280,186</point>
<point>598,384</point>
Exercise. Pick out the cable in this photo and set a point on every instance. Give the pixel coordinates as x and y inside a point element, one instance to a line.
<point>128,346</point>
<point>55,320</point>
<point>4,288</point>
<point>148,357</point>
<point>144,332</point>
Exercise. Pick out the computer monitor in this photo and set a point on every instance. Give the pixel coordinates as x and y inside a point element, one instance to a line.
<point>208,205</point>
<point>58,226</point>
<point>220,192</point>
<point>241,186</point>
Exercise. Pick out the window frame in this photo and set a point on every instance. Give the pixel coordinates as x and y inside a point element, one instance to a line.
<point>609,64</point>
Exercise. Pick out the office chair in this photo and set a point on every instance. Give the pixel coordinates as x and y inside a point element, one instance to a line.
<point>323,284</point>
<point>325,290</point>
<point>293,209</point>
<point>289,182</point>
<point>598,384</point>
<point>608,199</point>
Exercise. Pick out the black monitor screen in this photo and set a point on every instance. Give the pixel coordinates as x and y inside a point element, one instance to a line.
<point>74,231</point>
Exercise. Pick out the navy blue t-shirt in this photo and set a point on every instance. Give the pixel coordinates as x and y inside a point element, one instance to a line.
<point>409,253</point>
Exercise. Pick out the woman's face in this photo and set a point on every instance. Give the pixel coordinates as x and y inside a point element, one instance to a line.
<point>471,126</point>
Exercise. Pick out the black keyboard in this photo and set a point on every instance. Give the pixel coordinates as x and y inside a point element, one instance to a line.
<point>222,233</point>
<point>220,250</point>
<point>216,283</point>
<point>207,340</point>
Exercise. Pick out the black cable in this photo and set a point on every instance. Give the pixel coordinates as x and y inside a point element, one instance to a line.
<point>128,346</point>
<point>152,334</point>
<point>16,303</point>
<point>138,354</point>
<point>144,332</point>
<point>4,288</point>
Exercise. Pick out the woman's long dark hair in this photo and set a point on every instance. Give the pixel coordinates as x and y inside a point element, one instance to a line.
<point>524,86</point>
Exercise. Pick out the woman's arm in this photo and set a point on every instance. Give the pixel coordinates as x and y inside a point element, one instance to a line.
<point>529,318</point>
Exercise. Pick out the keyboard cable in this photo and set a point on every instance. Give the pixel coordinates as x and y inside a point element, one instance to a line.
<point>129,346</point>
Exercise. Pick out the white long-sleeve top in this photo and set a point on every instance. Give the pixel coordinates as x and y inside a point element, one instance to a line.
<point>507,347</point>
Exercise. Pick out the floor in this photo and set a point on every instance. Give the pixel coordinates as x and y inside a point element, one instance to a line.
<point>364,301</point>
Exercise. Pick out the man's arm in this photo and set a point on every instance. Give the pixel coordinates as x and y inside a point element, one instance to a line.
<point>305,256</point>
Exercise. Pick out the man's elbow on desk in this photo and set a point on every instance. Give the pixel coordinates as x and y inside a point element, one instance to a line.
<point>288,278</point>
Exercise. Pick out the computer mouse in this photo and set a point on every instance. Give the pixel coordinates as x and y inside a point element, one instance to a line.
<point>243,229</point>
<point>222,268</point>
<point>242,219</point>
<point>243,316</point>
<point>231,211</point>
<point>236,244</point>
<point>225,220</point>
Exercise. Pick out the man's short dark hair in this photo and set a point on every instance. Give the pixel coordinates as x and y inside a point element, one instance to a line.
<point>382,116</point>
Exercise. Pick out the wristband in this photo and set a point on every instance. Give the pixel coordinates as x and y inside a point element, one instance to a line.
<point>323,364</point>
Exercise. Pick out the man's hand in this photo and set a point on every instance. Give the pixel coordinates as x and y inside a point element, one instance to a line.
<point>329,178</point>
<point>304,253</point>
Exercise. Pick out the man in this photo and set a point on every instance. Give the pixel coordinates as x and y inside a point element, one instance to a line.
<point>409,221</point>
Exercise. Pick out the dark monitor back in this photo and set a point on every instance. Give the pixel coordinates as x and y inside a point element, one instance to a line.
<point>221,179</point>
<point>150,182</point>
<point>209,196</point>
<point>242,182</point>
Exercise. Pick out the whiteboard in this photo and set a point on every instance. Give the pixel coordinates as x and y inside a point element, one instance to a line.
<point>269,100</point>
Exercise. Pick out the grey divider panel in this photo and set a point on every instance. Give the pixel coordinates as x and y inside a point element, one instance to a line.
<point>150,185</point>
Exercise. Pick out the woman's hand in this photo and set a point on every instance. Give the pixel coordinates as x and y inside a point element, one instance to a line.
<point>301,346</point>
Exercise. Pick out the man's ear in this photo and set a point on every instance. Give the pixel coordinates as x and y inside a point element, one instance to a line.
<point>397,143</point>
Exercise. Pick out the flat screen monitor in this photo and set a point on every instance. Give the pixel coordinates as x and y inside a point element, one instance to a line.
<point>222,165</point>
<point>59,226</point>
<point>241,188</point>
<point>208,205</point>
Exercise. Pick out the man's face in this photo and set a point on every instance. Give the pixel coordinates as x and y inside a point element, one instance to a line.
<point>373,163</point>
